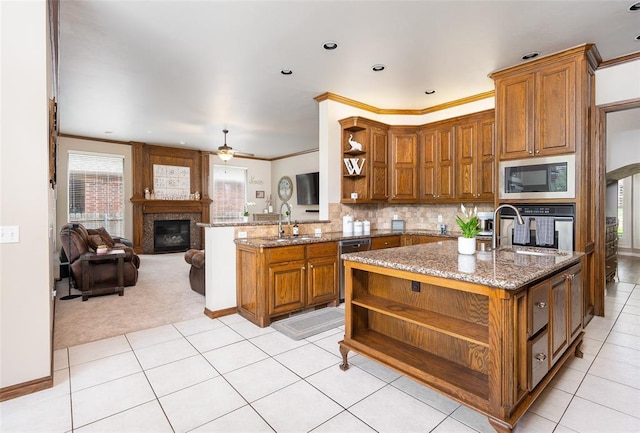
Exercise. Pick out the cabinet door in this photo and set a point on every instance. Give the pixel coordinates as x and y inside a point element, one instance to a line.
<point>287,284</point>
<point>428,164</point>
<point>466,160</point>
<point>446,164</point>
<point>559,301</point>
<point>555,110</point>
<point>486,160</point>
<point>515,116</point>
<point>574,280</point>
<point>378,183</point>
<point>404,166</point>
<point>322,283</point>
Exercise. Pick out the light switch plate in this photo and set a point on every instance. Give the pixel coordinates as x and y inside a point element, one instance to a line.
<point>9,234</point>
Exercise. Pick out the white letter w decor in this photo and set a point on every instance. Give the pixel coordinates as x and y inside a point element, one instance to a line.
<point>354,165</point>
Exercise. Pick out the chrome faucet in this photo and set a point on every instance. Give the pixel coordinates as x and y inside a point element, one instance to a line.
<point>494,237</point>
<point>280,231</point>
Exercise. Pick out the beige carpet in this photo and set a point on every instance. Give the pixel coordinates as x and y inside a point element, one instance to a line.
<point>161,296</point>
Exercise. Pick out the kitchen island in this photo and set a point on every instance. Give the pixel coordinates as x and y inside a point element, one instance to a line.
<point>489,330</point>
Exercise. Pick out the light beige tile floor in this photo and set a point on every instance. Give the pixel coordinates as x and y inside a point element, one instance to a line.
<point>227,375</point>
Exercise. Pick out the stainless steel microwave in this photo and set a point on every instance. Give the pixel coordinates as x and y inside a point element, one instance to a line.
<point>538,177</point>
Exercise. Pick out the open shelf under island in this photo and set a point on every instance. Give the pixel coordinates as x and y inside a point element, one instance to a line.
<point>489,330</point>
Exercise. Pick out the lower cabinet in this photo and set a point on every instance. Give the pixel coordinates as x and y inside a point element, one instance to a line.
<point>277,281</point>
<point>493,350</point>
<point>382,242</point>
<point>419,239</point>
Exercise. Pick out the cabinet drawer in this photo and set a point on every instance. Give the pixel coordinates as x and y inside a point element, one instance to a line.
<point>285,254</point>
<point>538,308</point>
<point>385,242</point>
<point>538,359</point>
<point>322,249</point>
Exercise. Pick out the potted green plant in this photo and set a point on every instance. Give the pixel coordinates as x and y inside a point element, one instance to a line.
<point>470,227</point>
<point>245,214</point>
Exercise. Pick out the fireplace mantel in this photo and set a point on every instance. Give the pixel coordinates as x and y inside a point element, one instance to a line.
<point>144,158</point>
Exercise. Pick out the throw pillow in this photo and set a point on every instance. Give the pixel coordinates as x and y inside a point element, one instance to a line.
<point>95,241</point>
<point>104,234</point>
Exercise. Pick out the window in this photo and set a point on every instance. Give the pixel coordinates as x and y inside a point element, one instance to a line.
<point>229,192</point>
<point>96,191</point>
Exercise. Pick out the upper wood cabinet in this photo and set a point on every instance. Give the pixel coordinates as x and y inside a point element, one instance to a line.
<point>364,161</point>
<point>475,158</point>
<point>448,161</point>
<point>537,105</point>
<point>436,163</point>
<point>404,165</point>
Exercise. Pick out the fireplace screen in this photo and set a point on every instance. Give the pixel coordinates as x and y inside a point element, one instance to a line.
<point>171,235</point>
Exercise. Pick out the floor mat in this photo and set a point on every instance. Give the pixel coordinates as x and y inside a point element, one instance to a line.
<point>308,324</point>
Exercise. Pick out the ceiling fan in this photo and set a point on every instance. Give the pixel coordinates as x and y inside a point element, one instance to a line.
<point>226,152</point>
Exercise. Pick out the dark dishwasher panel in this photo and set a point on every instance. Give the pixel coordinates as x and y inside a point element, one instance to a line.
<point>350,246</point>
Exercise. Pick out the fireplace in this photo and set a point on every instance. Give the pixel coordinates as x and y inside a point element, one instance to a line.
<point>171,235</point>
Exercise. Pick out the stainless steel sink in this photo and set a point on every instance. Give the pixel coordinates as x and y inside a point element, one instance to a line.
<point>538,253</point>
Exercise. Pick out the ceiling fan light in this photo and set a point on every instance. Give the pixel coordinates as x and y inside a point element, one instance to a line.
<point>225,155</point>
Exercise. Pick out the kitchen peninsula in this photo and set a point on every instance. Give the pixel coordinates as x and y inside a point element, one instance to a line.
<point>489,330</point>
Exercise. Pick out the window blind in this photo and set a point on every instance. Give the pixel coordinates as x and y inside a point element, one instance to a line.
<point>229,192</point>
<point>96,191</point>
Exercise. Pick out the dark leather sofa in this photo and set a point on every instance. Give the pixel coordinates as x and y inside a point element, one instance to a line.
<point>196,275</point>
<point>76,241</point>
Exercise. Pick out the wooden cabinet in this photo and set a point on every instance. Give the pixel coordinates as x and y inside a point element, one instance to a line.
<point>273,282</point>
<point>436,163</point>
<point>364,161</point>
<point>538,105</point>
<point>442,162</point>
<point>419,239</point>
<point>475,158</point>
<point>611,248</point>
<point>485,347</point>
<point>404,165</point>
<point>381,242</point>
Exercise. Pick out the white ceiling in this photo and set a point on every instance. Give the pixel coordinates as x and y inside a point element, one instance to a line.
<point>172,72</point>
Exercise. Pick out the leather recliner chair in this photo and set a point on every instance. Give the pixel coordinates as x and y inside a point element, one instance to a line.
<point>196,275</point>
<point>77,241</point>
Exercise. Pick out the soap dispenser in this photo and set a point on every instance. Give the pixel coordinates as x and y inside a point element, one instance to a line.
<point>295,228</point>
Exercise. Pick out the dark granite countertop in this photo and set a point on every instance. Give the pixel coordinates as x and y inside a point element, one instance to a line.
<point>506,267</point>
<point>270,242</point>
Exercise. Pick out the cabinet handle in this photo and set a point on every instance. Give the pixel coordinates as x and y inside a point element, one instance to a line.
<point>541,357</point>
<point>310,267</point>
<point>531,152</point>
<point>304,268</point>
<point>569,276</point>
<point>541,304</point>
<point>537,151</point>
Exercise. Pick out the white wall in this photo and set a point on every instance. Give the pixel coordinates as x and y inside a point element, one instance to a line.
<point>67,144</point>
<point>299,164</point>
<point>25,267</point>
<point>623,138</point>
<point>618,83</point>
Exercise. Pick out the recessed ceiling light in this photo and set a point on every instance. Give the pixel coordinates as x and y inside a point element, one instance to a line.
<point>330,45</point>
<point>637,37</point>
<point>108,132</point>
<point>183,143</point>
<point>531,55</point>
<point>148,132</point>
<point>430,91</point>
<point>377,68</point>
<point>286,72</point>
<point>635,7</point>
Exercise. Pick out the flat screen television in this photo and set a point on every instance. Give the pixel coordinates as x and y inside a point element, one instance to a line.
<point>308,188</point>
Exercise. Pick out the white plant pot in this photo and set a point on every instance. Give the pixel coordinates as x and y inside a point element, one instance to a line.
<point>466,245</point>
<point>245,219</point>
<point>466,263</point>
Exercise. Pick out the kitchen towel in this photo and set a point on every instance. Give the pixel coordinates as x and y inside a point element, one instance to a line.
<point>545,230</point>
<point>521,234</point>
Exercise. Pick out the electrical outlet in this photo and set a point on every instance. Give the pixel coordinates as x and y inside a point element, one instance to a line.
<point>242,235</point>
<point>395,217</point>
<point>439,218</point>
<point>415,286</point>
<point>9,234</point>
